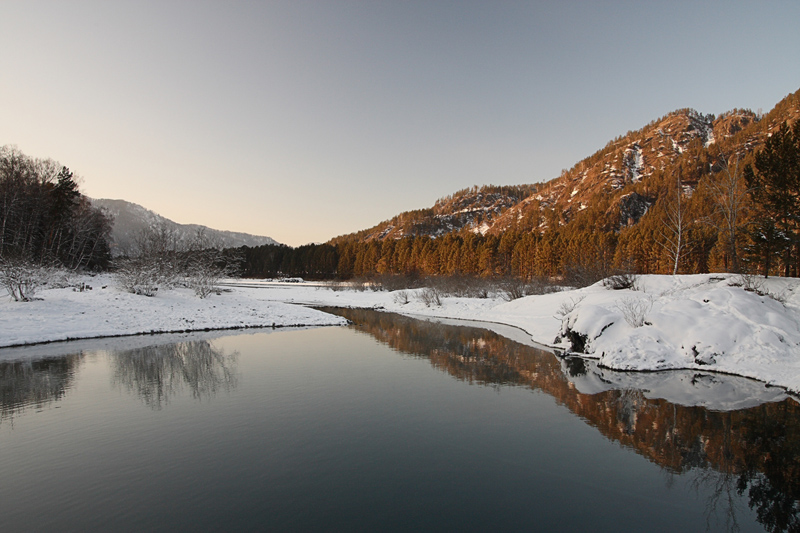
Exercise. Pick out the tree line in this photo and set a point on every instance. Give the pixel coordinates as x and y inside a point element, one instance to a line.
<point>709,213</point>
<point>45,219</point>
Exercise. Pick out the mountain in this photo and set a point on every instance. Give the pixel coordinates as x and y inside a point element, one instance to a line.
<point>476,208</point>
<point>678,195</point>
<point>130,219</point>
<point>622,180</point>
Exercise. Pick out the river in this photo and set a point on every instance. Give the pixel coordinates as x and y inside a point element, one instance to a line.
<point>392,423</point>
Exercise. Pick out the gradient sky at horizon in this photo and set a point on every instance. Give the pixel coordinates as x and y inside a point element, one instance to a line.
<point>303,120</point>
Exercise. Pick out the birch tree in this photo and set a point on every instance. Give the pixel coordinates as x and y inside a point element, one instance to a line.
<point>673,231</point>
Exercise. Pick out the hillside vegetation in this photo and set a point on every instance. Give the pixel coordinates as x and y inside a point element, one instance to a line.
<point>672,197</point>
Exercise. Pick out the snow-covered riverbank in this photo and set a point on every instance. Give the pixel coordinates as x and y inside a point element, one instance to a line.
<point>106,311</point>
<point>700,322</point>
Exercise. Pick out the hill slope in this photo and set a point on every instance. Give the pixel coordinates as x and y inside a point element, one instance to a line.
<point>130,219</point>
<point>623,178</point>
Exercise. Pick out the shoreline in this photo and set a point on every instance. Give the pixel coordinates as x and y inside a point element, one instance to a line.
<point>700,323</point>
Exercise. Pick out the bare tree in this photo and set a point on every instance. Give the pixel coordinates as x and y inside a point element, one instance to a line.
<point>674,227</point>
<point>635,310</point>
<point>22,277</point>
<point>729,193</point>
<point>206,264</point>
<point>153,264</point>
<point>161,260</point>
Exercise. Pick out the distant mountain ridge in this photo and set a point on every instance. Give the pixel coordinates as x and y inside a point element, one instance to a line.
<point>130,219</point>
<point>618,181</point>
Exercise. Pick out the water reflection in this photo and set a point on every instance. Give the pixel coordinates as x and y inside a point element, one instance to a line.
<point>35,384</point>
<point>154,373</point>
<point>158,373</point>
<point>752,452</point>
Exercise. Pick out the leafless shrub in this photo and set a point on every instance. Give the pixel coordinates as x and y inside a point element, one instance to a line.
<point>513,288</point>
<point>162,261</point>
<point>779,297</point>
<point>338,285</point>
<point>152,265</point>
<point>624,280</point>
<point>59,278</point>
<point>22,277</point>
<point>204,264</point>
<point>749,282</point>
<point>357,284</point>
<point>205,270</point>
<point>459,286</point>
<point>754,283</point>
<point>360,284</point>
<point>401,297</point>
<point>396,282</point>
<point>540,285</point>
<point>635,310</point>
<point>568,306</point>
<point>585,273</point>
<point>138,276</point>
<point>430,297</point>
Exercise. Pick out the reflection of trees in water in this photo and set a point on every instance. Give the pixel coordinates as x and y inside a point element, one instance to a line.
<point>759,457</point>
<point>718,482</point>
<point>474,355</point>
<point>25,384</point>
<point>770,473</point>
<point>628,406</point>
<point>155,373</point>
<point>158,373</point>
<point>753,452</point>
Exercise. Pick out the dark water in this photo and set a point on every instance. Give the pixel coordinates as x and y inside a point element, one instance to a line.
<point>392,424</point>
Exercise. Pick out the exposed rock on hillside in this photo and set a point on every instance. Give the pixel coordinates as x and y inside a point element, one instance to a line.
<point>621,175</point>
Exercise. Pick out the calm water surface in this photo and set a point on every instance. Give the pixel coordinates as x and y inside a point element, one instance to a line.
<point>391,424</point>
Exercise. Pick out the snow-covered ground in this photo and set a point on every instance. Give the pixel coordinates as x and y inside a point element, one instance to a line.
<point>105,311</point>
<point>700,322</point>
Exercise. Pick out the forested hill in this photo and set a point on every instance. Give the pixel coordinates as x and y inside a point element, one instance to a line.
<point>684,194</point>
<point>475,209</point>
<point>623,179</point>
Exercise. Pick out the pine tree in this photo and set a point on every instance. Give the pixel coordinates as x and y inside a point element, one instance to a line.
<point>775,188</point>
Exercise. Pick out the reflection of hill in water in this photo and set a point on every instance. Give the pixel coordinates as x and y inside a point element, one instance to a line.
<point>753,451</point>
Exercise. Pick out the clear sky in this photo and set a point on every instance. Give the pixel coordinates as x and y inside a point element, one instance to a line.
<point>303,120</point>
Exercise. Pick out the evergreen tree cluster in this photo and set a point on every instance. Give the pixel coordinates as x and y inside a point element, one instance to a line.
<point>44,219</point>
<point>774,179</point>
<point>736,213</point>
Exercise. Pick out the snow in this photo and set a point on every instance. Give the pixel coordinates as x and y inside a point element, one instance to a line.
<point>710,136</point>
<point>64,314</point>
<point>719,392</point>
<point>636,161</point>
<point>483,228</point>
<point>700,323</point>
<point>696,322</point>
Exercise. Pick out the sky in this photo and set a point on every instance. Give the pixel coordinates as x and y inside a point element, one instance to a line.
<point>304,120</point>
